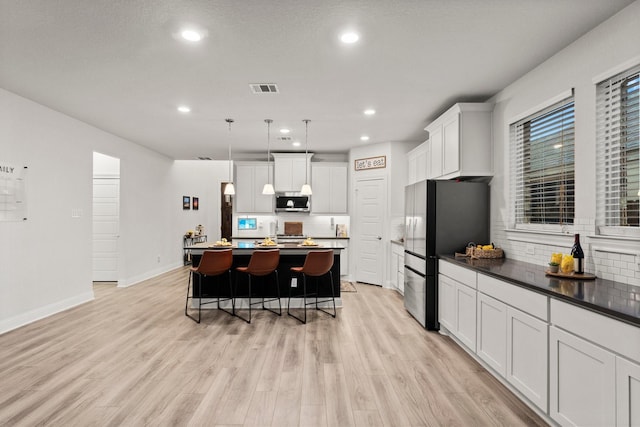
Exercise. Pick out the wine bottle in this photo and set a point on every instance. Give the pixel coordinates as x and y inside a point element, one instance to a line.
<point>578,255</point>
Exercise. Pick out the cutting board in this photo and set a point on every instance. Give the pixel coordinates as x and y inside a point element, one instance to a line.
<point>292,228</point>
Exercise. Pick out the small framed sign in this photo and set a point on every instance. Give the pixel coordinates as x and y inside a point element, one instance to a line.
<point>186,202</point>
<point>371,163</point>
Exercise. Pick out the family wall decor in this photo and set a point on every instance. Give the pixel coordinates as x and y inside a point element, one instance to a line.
<point>13,206</point>
<point>189,202</point>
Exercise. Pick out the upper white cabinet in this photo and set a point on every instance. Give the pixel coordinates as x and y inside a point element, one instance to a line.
<point>329,187</point>
<point>291,170</point>
<point>250,178</point>
<point>460,142</point>
<point>418,163</point>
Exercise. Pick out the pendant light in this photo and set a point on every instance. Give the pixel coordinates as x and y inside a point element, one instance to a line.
<point>229,189</point>
<point>306,188</point>
<point>268,188</point>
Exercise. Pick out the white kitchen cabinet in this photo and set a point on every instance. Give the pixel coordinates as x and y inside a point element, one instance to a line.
<point>289,171</point>
<point>329,187</point>
<point>435,152</point>
<point>628,393</point>
<point>466,315</point>
<point>460,142</point>
<point>447,303</point>
<point>582,381</point>
<point>527,349</point>
<point>457,302</point>
<point>417,163</point>
<point>396,271</point>
<point>249,180</point>
<point>492,333</point>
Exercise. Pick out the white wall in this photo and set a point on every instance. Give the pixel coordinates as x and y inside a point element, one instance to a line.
<point>609,45</point>
<point>202,179</point>
<point>46,260</point>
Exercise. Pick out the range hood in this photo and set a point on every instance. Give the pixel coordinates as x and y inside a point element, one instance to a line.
<point>292,202</point>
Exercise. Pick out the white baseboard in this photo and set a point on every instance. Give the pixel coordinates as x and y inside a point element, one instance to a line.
<point>42,312</point>
<point>147,275</point>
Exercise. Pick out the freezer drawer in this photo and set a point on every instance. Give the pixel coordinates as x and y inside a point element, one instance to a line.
<point>415,294</point>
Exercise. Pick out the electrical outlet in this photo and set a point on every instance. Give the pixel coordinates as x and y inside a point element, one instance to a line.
<point>294,282</point>
<point>531,250</point>
<point>158,258</point>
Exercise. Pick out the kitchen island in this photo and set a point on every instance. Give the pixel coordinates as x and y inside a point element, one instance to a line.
<point>291,255</point>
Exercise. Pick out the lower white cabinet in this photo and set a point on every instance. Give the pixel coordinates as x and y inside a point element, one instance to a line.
<point>447,303</point>
<point>466,315</point>
<point>492,333</point>
<point>457,310</point>
<point>527,349</point>
<point>514,344</point>
<point>582,381</point>
<point>628,393</point>
<point>396,270</point>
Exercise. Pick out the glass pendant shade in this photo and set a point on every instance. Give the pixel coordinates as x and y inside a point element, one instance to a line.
<point>229,189</point>
<point>268,189</point>
<point>306,190</point>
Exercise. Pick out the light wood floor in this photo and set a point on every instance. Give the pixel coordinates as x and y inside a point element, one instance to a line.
<point>131,357</point>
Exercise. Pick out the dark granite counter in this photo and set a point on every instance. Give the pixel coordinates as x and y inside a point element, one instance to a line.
<point>616,300</point>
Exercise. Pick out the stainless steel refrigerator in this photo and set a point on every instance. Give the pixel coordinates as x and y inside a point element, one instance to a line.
<point>441,217</point>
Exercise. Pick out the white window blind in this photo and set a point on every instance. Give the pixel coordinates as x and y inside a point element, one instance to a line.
<point>542,167</point>
<point>618,152</point>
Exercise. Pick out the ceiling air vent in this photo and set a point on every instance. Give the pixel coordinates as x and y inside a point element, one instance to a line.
<point>284,139</point>
<point>264,88</point>
<point>204,158</point>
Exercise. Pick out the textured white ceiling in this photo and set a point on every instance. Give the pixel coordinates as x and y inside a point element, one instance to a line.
<point>116,65</point>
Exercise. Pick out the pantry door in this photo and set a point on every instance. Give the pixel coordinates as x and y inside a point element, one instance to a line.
<point>369,207</point>
<point>106,218</point>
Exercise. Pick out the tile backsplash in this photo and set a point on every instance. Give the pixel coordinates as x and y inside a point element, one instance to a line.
<point>313,225</point>
<point>606,262</point>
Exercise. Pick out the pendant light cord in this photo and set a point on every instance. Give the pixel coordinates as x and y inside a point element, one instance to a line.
<point>268,122</point>
<point>229,121</point>
<point>306,150</point>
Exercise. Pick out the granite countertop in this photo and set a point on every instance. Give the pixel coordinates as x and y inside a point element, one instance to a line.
<point>290,237</point>
<point>249,246</point>
<point>614,299</point>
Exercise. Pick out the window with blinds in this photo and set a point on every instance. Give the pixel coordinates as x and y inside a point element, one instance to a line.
<point>618,153</point>
<point>542,162</point>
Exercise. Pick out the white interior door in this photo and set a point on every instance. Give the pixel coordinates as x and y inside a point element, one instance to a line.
<point>106,217</point>
<point>370,196</point>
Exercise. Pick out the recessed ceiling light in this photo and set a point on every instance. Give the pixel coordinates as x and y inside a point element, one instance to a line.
<point>284,130</point>
<point>191,35</point>
<point>184,109</point>
<point>364,138</point>
<point>369,112</point>
<point>349,38</point>
<point>296,143</point>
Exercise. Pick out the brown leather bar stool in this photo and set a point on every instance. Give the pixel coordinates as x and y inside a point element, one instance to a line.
<point>316,264</point>
<point>262,264</point>
<point>212,263</point>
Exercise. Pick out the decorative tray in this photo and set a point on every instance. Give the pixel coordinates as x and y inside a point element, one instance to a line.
<point>572,275</point>
<point>309,246</point>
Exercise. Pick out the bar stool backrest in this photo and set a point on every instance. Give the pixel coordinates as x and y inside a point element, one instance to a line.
<point>215,262</point>
<point>263,262</point>
<point>318,263</point>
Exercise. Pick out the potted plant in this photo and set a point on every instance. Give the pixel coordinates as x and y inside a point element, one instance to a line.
<point>553,267</point>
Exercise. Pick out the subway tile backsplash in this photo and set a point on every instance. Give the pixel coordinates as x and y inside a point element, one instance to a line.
<point>606,264</point>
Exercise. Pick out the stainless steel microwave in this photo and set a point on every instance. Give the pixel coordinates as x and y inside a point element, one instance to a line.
<point>292,202</point>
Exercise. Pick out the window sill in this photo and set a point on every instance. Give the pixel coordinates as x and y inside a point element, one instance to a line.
<point>544,237</point>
